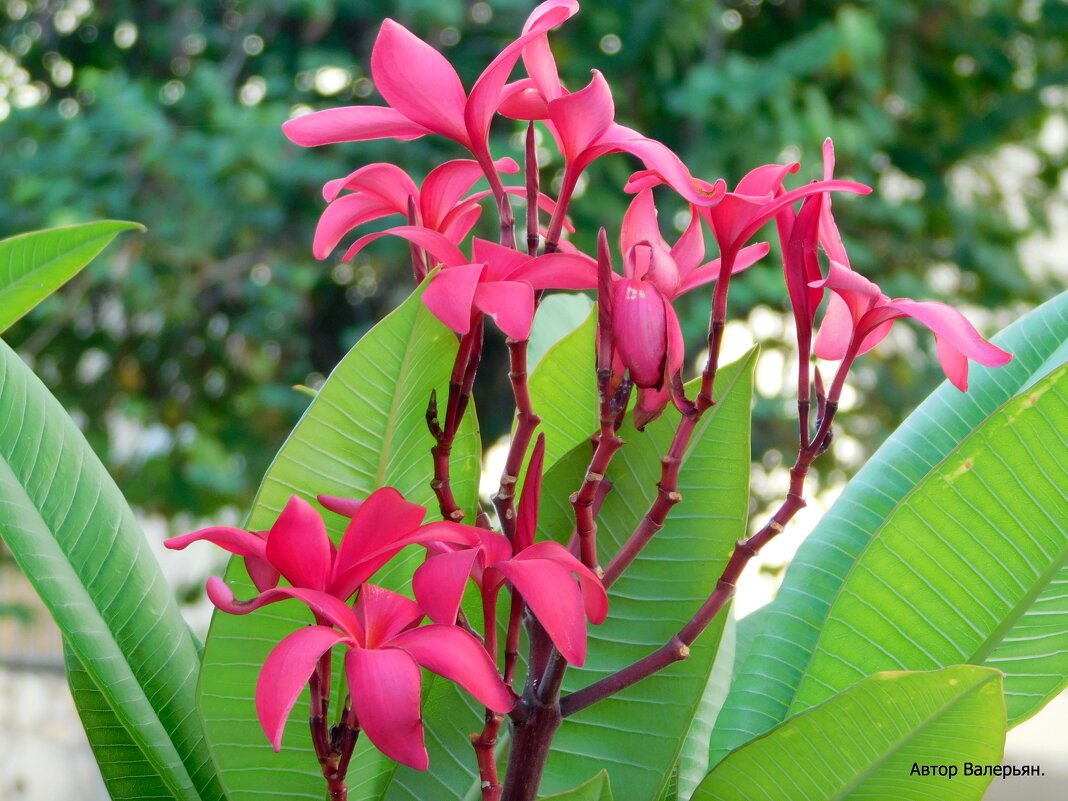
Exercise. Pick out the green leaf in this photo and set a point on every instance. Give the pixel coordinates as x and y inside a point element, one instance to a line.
<point>970,567</point>
<point>599,788</point>
<point>864,742</point>
<point>77,541</point>
<point>558,315</point>
<point>659,593</point>
<point>364,430</point>
<point>34,265</point>
<point>647,606</point>
<point>563,391</point>
<point>127,775</point>
<point>766,688</point>
<point>693,761</point>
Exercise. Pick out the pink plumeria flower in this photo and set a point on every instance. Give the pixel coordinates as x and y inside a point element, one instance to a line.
<point>583,124</point>
<point>859,315</point>
<point>385,648</point>
<point>543,573</point>
<point>496,281</point>
<point>646,335</point>
<point>298,548</point>
<point>424,92</point>
<point>380,190</point>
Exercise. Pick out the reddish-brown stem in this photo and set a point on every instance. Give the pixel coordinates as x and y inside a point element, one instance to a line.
<point>533,181</point>
<point>606,444</point>
<point>460,384</point>
<point>678,647</point>
<point>716,324</point>
<point>485,744</point>
<point>666,497</point>
<point>556,223</point>
<point>526,422</point>
<point>511,641</point>
<point>504,205</point>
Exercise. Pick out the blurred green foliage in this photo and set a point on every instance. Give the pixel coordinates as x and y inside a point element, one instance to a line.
<point>177,350</point>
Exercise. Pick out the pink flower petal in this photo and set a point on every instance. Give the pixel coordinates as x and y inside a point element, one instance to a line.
<point>509,303</point>
<point>351,124</point>
<point>766,179</point>
<point>521,100</point>
<point>434,243</point>
<point>385,696</point>
<point>486,93</point>
<point>451,293</point>
<point>502,263</point>
<point>582,117</point>
<point>659,158</point>
<point>801,267</point>
<point>460,221</point>
<point>386,181</point>
<point>298,545</point>
<point>650,405</point>
<point>384,614</point>
<point>459,657</point>
<point>440,581</point>
<point>326,607</point>
<point>376,532</point>
<point>342,216</point>
<point>234,540</point>
<point>346,507</point>
<point>690,248</point>
<point>640,223</point>
<point>554,598</point>
<point>446,184</point>
<point>264,575</point>
<point>594,597</point>
<point>419,82</point>
<point>836,330</point>
<point>953,327</point>
<point>639,330</point>
<point>526,524</point>
<point>285,674</point>
<point>707,273</point>
<point>830,238</point>
<point>560,271</point>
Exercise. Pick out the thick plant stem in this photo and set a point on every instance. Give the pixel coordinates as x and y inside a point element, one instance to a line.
<point>533,736</point>
<point>460,384</point>
<point>678,647</point>
<point>666,497</point>
<point>526,422</point>
<point>486,754</point>
<point>504,205</point>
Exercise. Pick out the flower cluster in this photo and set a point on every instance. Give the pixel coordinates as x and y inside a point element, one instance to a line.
<point>639,347</point>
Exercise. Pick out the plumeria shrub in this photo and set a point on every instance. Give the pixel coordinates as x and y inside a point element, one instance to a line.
<point>576,633</point>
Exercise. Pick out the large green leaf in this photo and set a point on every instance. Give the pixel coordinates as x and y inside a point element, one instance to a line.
<point>127,774</point>
<point>599,788</point>
<point>693,760</point>
<point>77,541</point>
<point>34,265</point>
<point>971,566</point>
<point>766,688</point>
<point>364,430</point>
<point>558,315</point>
<point>650,603</point>
<point>865,741</point>
<point>563,391</point>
